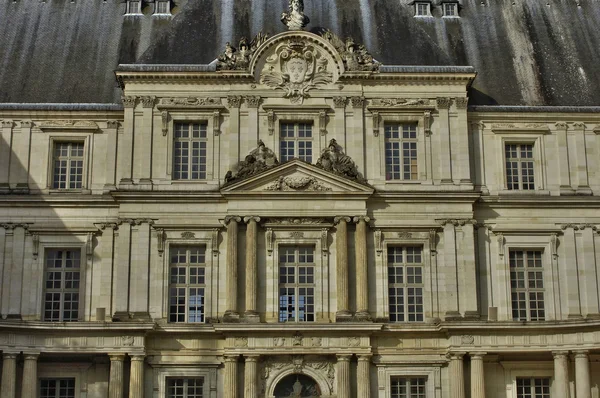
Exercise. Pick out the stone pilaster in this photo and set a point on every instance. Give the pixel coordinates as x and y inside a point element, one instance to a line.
<point>5,154</point>
<point>21,158</point>
<point>467,271</point>
<point>231,314</point>
<point>9,375</point>
<point>251,377</point>
<point>230,382</point>
<point>341,256</point>
<point>443,105</point>
<point>561,374</point>
<point>121,272</point>
<point>343,376</point>
<point>143,144</point>
<point>564,172</point>
<point>251,315</point>
<point>115,383</point>
<point>582,375</point>
<point>363,377</point>
<point>126,142</point>
<point>457,376</point>
<point>136,377</point>
<point>29,386</point>
<point>112,127</point>
<point>140,269</point>
<point>569,274</point>
<point>449,294</point>
<point>362,283</point>
<point>477,375</point>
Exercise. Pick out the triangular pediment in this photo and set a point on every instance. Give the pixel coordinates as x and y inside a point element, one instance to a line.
<point>297,177</point>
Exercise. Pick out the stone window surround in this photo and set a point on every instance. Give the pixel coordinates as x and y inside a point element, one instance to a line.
<point>202,238</point>
<point>310,237</point>
<point>532,242</point>
<point>128,4</point>
<point>78,371</point>
<point>428,14</point>
<point>88,141</point>
<point>204,116</point>
<point>163,371</point>
<point>429,294</point>
<point>423,142</point>
<point>539,161</point>
<point>387,371</point>
<point>65,242</point>
<point>167,2</point>
<point>526,369</point>
<point>275,115</point>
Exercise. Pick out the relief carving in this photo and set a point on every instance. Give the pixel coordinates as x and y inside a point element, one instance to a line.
<point>340,102</point>
<point>296,68</point>
<point>296,221</point>
<point>295,19</point>
<point>404,235</point>
<point>306,183</point>
<point>461,103</point>
<point>234,59</point>
<point>188,235</point>
<point>400,102</point>
<point>355,56</point>
<point>443,103</point>
<point>259,160</point>
<point>296,235</point>
<point>241,342</point>
<point>87,124</point>
<point>335,161</point>
<point>190,101</point>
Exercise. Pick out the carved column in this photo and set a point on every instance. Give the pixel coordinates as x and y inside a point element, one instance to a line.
<point>9,375</point>
<point>251,314</point>
<point>251,377</point>
<point>136,377</point>
<point>561,374</point>
<point>231,223</point>
<point>115,383</point>
<point>362,283</point>
<point>477,375</point>
<point>582,374</point>
<point>29,385</point>
<point>343,376</point>
<point>230,382</point>
<point>341,258</point>
<point>363,377</point>
<point>457,376</point>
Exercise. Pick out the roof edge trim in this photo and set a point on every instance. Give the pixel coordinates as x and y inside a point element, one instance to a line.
<point>534,109</point>
<point>60,106</point>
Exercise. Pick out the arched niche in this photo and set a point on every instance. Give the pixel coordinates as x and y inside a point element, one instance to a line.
<point>297,385</point>
<point>320,374</point>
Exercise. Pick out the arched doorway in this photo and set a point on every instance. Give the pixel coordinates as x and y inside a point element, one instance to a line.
<point>296,386</point>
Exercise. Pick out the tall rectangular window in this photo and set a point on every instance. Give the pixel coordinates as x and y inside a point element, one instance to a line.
<point>519,167</point>
<point>527,285</point>
<point>405,283</point>
<point>187,283</point>
<point>62,285</point>
<point>134,6</point>
<point>401,152</point>
<point>408,387</point>
<point>57,388</point>
<point>185,387</point>
<point>296,284</point>
<point>296,141</point>
<point>189,160</point>
<point>68,165</point>
<point>422,9</point>
<point>450,9</point>
<point>162,7</point>
<point>536,387</point>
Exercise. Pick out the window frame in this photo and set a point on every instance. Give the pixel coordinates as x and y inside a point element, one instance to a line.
<point>185,384</point>
<point>296,139</point>
<point>156,7</point>
<point>39,384</point>
<point>297,285</point>
<point>88,141</point>
<point>401,141</point>
<point>191,140</point>
<point>533,395</point>
<point>526,289</point>
<point>187,285</point>
<point>455,6</point>
<point>129,4</point>
<point>63,290</point>
<point>212,142</point>
<point>163,372</point>
<point>428,10</point>
<point>405,285</point>
<point>520,160</point>
<point>395,238</point>
<point>55,241</point>
<point>431,372</point>
<point>526,369</point>
<point>77,371</point>
<point>408,378</point>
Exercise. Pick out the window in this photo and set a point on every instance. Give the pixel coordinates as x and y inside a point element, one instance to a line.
<point>405,387</point>
<point>134,6</point>
<point>519,167</point>
<point>162,7</point>
<point>533,387</point>
<point>57,388</point>
<point>296,141</point>
<point>189,161</point>
<point>527,285</point>
<point>450,9</point>
<point>185,388</point>
<point>187,282</point>
<point>68,165</point>
<point>401,152</point>
<point>405,283</point>
<point>422,9</point>
<point>62,285</point>
<point>296,284</point>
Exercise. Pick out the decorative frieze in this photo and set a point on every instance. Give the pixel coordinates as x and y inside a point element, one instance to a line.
<point>189,102</point>
<point>340,102</point>
<point>443,103</point>
<point>357,102</point>
<point>461,103</point>
<point>404,235</point>
<point>68,125</point>
<point>457,222</point>
<point>400,102</point>
<point>303,183</point>
<point>234,101</point>
<point>136,221</point>
<point>253,101</point>
<point>148,102</point>
<point>296,221</point>
<point>297,234</point>
<point>578,227</point>
<point>129,102</point>
<point>188,235</point>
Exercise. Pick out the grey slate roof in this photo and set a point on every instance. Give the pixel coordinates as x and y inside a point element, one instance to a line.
<point>532,52</point>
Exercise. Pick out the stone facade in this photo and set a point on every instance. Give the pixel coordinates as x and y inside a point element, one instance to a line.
<point>443,274</point>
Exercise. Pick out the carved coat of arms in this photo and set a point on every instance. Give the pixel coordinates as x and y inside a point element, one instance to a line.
<point>296,67</point>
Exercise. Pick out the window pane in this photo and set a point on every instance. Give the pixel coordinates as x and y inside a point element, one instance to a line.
<point>405,283</point>
<point>187,278</point>
<point>527,285</point>
<point>190,151</point>
<point>401,151</point>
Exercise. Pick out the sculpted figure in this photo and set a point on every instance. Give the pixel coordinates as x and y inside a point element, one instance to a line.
<point>257,161</point>
<point>295,19</point>
<point>334,160</point>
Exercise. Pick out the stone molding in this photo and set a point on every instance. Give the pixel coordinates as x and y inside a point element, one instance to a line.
<point>129,102</point>
<point>340,102</point>
<point>234,101</point>
<point>189,102</point>
<point>578,227</point>
<point>136,221</point>
<point>357,102</point>
<point>148,102</point>
<point>229,219</point>
<point>253,101</point>
<point>443,103</point>
<point>461,102</point>
<point>7,124</point>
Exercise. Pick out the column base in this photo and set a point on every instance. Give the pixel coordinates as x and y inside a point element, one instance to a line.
<point>447,181</point>
<point>140,316</point>
<point>472,315</point>
<point>452,316</point>
<point>4,188</point>
<point>343,316</point>
<point>121,316</point>
<point>21,187</point>
<point>251,317</point>
<point>17,317</point>
<point>108,188</point>
<point>362,316</point>
<point>231,317</point>
<point>145,181</point>
<point>592,316</point>
<point>584,191</point>
<point>574,316</point>
<point>566,190</point>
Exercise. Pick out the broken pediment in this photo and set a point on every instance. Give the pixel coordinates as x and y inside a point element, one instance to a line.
<point>297,177</point>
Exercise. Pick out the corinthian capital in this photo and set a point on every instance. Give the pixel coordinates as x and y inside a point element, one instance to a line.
<point>338,219</point>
